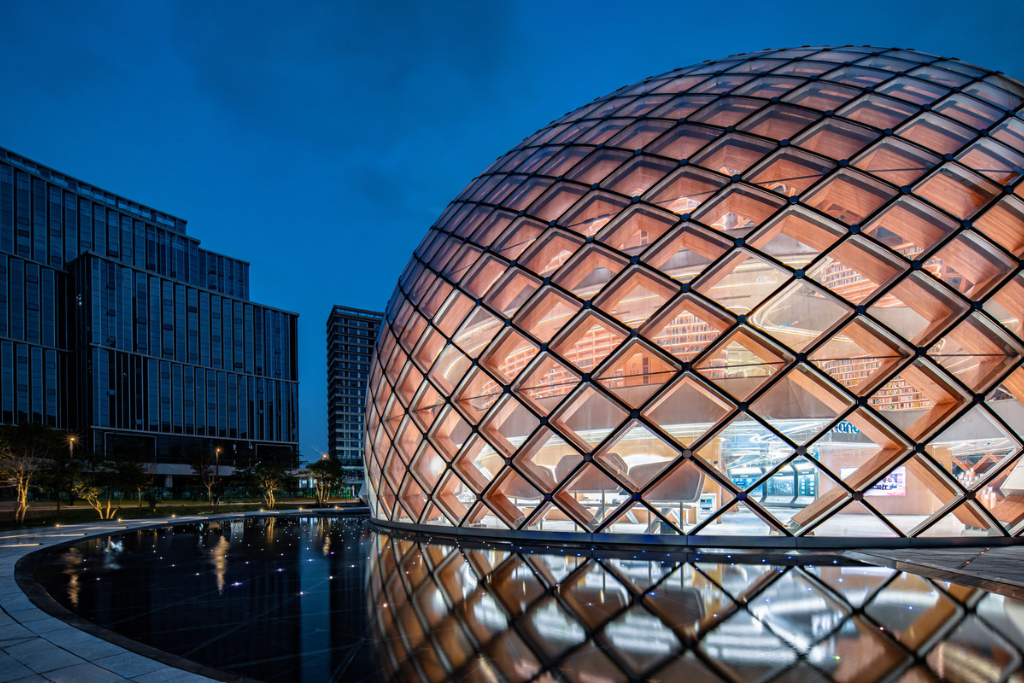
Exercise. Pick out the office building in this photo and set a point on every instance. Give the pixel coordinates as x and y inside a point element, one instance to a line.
<point>351,333</point>
<point>777,294</point>
<point>116,326</point>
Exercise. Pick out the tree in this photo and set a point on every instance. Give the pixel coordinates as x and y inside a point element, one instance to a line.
<point>270,478</point>
<point>24,450</point>
<point>105,480</point>
<point>326,474</point>
<point>203,468</point>
<point>59,473</point>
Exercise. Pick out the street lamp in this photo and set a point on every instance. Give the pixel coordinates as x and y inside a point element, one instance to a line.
<point>71,448</point>
<point>216,478</point>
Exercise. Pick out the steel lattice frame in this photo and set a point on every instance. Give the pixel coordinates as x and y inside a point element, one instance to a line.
<point>791,271</point>
<point>447,613</point>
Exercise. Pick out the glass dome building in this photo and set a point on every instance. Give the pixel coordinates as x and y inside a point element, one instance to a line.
<point>777,294</point>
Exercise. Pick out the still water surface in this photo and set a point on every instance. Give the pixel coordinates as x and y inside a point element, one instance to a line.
<point>328,599</point>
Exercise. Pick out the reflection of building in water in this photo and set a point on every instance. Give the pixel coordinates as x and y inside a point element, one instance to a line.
<point>735,299</point>
<point>445,613</point>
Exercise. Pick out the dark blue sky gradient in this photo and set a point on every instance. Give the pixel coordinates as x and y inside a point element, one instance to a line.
<point>320,140</point>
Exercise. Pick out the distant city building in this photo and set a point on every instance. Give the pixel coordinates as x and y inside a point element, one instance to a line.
<point>115,325</point>
<point>351,333</point>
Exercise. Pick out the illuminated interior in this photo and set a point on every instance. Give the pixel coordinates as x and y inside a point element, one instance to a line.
<point>774,294</point>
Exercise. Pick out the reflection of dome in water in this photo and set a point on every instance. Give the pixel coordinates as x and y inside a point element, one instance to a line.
<point>776,293</point>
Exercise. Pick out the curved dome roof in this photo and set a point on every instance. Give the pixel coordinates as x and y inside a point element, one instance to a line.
<point>777,293</point>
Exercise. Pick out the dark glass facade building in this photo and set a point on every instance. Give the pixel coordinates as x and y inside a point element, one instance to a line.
<point>351,333</point>
<point>117,326</point>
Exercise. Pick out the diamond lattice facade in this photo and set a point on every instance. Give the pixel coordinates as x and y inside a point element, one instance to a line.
<point>778,293</point>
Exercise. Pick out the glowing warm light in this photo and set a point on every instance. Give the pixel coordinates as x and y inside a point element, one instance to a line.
<point>774,294</point>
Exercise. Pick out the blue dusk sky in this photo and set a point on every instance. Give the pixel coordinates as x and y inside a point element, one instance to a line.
<point>320,140</point>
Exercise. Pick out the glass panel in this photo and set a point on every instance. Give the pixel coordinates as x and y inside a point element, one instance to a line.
<point>635,296</point>
<point>738,210</point>
<point>727,111</point>
<point>637,176</point>
<point>593,212</point>
<point>821,96</point>
<point>450,433</point>
<point>686,251</point>
<point>968,110</point>
<point>508,355</point>
<point>957,190</point>
<point>640,133</point>
<point>976,352</point>
<point>636,373</point>
<point>590,496</point>
<point>512,291</point>
<point>880,112</point>
<point>1004,224</point>
<point>598,165</point>
<point>517,238</point>
<point>589,271</point>
<point>796,237</point>
<point>513,498</point>
<point>588,417</point>
<point>556,200</point>
<point>449,368</point>
<point>742,362</point>
<point>918,400</point>
<point>545,383</point>
<point>860,355</point>
<point>896,161</point>
<point>779,121</point>
<point>637,228</point>
<point>741,281</point>
<point>936,133</point>
<point>477,332</point>
<point>733,154</point>
<point>801,404</point>
<point>683,140</point>
<point>994,160</point>
<point>602,132</point>
<point>918,309</point>
<point>428,467</point>
<point>636,455</point>
<point>687,327</point>
<point>789,172</point>
<point>970,264</point>
<point>544,455</point>
<point>478,465</point>
<point>769,86</point>
<point>588,340</point>
<point>484,274</point>
<point>550,251</point>
<point>850,197</point>
<point>837,139</point>
<point>453,313</point>
<point>912,90</point>
<point>685,190</point>
<point>546,314</point>
<point>910,228</point>
<point>800,314</point>
<point>682,106</point>
<point>508,425</point>
<point>688,410</point>
<point>675,496</point>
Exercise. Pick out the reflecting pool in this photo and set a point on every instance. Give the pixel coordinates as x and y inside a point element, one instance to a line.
<point>328,599</point>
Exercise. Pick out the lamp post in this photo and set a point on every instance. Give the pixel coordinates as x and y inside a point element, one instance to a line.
<point>216,479</point>
<point>71,448</point>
